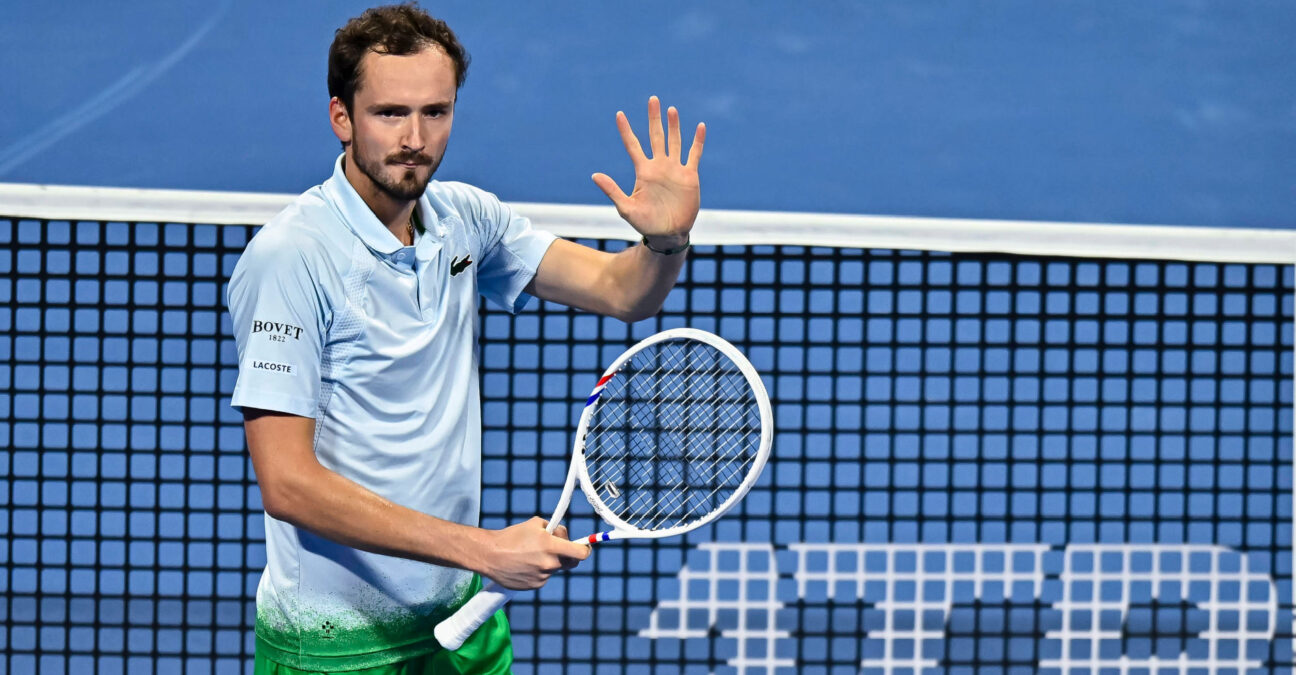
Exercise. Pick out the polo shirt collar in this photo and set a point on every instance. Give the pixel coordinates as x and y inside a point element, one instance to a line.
<point>360,218</point>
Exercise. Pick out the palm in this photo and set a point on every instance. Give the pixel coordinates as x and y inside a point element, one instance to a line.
<point>666,194</point>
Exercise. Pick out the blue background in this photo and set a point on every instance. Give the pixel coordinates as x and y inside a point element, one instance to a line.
<point>1149,112</point>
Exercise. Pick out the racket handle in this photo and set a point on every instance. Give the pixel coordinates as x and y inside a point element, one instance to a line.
<point>459,626</point>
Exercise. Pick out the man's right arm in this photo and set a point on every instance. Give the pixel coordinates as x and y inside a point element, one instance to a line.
<point>297,489</point>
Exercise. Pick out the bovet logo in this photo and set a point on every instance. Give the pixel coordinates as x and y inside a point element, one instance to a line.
<point>276,328</point>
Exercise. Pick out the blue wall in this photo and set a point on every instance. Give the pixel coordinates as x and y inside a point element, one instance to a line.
<point>1150,112</point>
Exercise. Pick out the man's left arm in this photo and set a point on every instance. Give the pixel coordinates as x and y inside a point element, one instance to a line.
<point>633,284</point>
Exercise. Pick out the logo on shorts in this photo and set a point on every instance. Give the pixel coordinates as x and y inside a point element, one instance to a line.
<point>457,265</point>
<point>277,331</point>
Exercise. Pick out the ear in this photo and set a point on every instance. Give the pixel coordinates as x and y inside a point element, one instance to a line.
<point>340,119</point>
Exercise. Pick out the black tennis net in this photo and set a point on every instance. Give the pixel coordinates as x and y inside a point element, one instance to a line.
<point>983,463</point>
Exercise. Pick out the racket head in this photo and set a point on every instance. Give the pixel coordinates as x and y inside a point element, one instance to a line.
<point>675,433</point>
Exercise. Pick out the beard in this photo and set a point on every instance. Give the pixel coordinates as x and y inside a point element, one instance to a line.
<point>406,186</point>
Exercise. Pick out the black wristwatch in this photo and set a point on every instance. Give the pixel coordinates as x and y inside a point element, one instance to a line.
<point>668,251</point>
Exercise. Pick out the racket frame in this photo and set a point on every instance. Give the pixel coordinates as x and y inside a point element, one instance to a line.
<point>455,629</point>
<point>579,471</point>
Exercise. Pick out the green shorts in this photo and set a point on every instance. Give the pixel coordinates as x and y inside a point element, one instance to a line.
<point>488,652</point>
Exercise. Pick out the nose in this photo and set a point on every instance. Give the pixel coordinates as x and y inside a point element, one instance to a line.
<point>413,135</point>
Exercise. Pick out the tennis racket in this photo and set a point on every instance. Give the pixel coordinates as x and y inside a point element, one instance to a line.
<point>674,434</point>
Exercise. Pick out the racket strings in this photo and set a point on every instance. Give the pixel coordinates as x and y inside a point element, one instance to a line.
<point>665,517</point>
<point>643,412</point>
<point>674,436</point>
<point>652,502</point>
<point>737,428</point>
<point>714,473</point>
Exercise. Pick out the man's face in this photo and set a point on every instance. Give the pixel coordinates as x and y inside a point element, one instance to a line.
<point>399,122</point>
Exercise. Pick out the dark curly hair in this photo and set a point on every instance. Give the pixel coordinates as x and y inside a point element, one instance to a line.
<point>393,29</point>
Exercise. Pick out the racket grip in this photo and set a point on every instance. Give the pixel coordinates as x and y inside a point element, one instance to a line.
<point>459,626</point>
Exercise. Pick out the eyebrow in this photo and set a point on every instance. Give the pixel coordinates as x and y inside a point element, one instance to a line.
<point>401,106</point>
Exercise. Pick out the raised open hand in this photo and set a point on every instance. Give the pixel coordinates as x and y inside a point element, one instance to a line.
<point>666,194</point>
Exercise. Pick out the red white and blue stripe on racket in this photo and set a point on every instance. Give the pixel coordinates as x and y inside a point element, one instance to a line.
<point>594,397</point>
<point>598,389</point>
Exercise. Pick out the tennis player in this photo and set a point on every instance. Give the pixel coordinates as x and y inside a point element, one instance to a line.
<point>355,312</point>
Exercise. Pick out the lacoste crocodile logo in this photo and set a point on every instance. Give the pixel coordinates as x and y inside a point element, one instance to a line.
<point>457,265</point>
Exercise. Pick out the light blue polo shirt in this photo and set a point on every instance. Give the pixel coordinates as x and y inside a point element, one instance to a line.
<point>336,320</point>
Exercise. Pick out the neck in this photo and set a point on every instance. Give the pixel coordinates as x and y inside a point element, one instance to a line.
<point>394,214</point>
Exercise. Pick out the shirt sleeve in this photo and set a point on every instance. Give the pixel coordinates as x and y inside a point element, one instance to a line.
<point>511,254</point>
<point>279,314</point>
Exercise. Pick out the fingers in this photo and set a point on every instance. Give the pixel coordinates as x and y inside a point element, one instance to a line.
<point>656,136</point>
<point>524,556</point>
<point>573,554</point>
<point>663,139</point>
<point>569,555</point>
<point>673,132</point>
<point>629,139</point>
<point>561,544</point>
<point>609,188</point>
<point>695,152</point>
<point>577,552</point>
<point>571,563</point>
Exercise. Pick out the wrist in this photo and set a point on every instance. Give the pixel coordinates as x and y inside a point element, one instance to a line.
<point>666,244</point>
<point>478,550</point>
